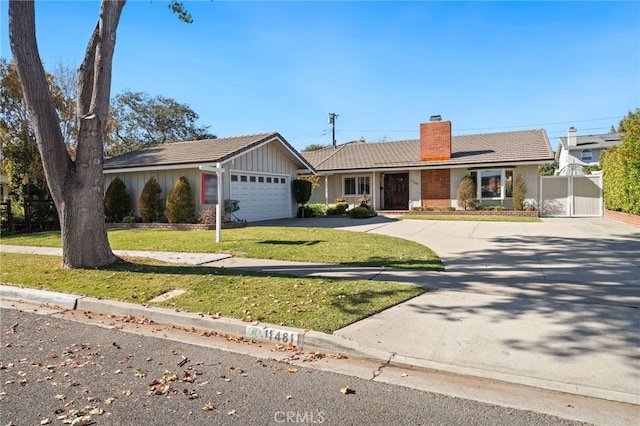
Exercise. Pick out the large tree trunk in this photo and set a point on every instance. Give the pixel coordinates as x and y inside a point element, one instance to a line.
<point>76,186</point>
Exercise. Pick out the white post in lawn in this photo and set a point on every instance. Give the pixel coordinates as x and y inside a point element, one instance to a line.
<point>218,170</point>
<point>220,204</point>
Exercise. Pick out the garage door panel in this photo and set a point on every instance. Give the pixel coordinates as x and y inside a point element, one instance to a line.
<point>261,200</point>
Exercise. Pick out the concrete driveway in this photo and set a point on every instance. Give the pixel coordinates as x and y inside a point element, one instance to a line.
<point>553,304</point>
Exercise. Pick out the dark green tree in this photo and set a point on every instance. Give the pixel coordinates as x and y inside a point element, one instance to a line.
<point>150,204</point>
<point>180,207</point>
<point>117,203</point>
<point>301,193</point>
<point>137,120</point>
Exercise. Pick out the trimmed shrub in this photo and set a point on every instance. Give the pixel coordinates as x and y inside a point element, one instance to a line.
<point>361,212</point>
<point>318,209</point>
<point>302,191</point>
<point>519,193</point>
<point>150,204</point>
<point>117,204</point>
<point>180,208</point>
<point>466,194</point>
<point>338,209</point>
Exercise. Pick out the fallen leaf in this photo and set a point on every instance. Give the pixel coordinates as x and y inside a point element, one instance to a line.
<point>45,421</point>
<point>292,370</point>
<point>127,392</point>
<point>81,421</point>
<point>404,374</point>
<point>60,397</point>
<point>347,390</point>
<point>208,407</point>
<point>232,412</point>
<point>289,396</point>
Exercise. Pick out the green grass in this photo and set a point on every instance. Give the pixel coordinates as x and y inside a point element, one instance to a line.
<point>310,303</point>
<point>280,243</point>
<point>470,218</point>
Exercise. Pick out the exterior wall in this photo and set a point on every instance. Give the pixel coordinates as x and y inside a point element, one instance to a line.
<point>435,187</point>
<point>414,189</point>
<point>135,182</point>
<point>574,157</point>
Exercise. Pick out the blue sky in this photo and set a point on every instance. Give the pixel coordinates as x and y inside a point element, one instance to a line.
<point>383,67</point>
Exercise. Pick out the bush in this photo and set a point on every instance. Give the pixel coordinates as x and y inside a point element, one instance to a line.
<point>466,194</point>
<point>317,209</point>
<point>302,191</point>
<point>117,203</point>
<point>519,193</point>
<point>361,212</point>
<point>180,208</point>
<point>338,209</point>
<point>150,203</point>
<point>621,169</point>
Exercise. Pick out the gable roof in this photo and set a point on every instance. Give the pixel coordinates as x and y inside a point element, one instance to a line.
<point>604,141</point>
<point>199,152</point>
<point>526,146</point>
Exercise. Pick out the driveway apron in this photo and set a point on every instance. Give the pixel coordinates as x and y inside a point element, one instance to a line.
<point>553,304</point>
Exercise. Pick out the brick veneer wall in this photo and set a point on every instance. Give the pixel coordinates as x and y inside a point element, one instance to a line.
<point>520,213</point>
<point>629,219</point>
<point>435,187</point>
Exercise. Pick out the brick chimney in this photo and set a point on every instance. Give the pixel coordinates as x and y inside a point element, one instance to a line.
<point>435,139</point>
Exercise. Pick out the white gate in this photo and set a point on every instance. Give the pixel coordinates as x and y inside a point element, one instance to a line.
<point>571,196</point>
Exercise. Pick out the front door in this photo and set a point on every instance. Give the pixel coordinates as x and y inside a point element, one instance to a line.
<point>396,191</point>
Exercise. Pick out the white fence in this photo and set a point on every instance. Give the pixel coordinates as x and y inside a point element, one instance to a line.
<point>571,196</point>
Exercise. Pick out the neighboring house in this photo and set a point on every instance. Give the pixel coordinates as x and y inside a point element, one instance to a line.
<point>258,171</point>
<point>426,171</point>
<point>575,151</point>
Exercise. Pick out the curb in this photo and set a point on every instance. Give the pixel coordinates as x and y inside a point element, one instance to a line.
<point>306,338</point>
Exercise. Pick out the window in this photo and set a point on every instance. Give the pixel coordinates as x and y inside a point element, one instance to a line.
<point>282,180</point>
<point>243,178</point>
<point>268,180</point>
<point>586,155</point>
<point>234,178</point>
<point>357,185</point>
<point>350,186</point>
<point>252,179</point>
<point>493,184</point>
<point>261,179</point>
<point>276,180</point>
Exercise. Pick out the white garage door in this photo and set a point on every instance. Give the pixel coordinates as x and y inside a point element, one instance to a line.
<point>261,197</point>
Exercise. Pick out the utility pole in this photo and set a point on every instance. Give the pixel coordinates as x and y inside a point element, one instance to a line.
<point>332,121</point>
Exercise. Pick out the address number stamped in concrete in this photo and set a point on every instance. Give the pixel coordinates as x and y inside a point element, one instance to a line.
<point>273,334</point>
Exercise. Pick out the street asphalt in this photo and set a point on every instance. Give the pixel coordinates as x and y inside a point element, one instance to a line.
<point>552,305</point>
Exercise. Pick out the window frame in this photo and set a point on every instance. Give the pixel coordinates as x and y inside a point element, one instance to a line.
<point>361,185</point>
<point>506,180</point>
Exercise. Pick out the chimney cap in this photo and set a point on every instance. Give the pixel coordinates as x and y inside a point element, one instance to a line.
<point>573,129</point>
<point>435,118</point>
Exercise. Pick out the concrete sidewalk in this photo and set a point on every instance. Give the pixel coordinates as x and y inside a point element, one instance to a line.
<point>554,305</point>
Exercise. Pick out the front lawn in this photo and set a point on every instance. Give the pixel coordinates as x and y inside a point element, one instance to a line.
<point>280,243</point>
<point>320,304</point>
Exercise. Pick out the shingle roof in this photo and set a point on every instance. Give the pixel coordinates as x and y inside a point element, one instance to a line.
<point>593,141</point>
<point>505,147</point>
<point>193,152</point>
